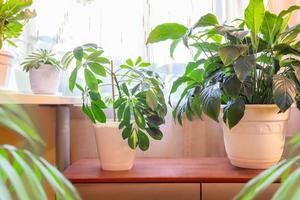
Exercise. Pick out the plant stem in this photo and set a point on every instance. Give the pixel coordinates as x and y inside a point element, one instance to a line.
<point>113,87</point>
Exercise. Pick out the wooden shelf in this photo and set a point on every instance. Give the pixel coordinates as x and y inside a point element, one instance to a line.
<point>7,97</point>
<point>162,170</point>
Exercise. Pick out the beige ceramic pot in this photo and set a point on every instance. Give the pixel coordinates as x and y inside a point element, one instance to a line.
<point>114,152</point>
<point>5,61</point>
<point>257,141</point>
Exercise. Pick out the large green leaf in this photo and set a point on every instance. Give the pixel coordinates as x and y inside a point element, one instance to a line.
<point>271,27</point>
<point>143,141</point>
<point>211,101</point>
<point>97,68</point>
<point>229,54</point>
<point>254,15</point>
<point>78,53</point>
<point>234,112</point>
<point>173,47</point>
<point>232,86</point>
<point>264,179</point>
<point>90,80</point>
<point>244,66</point>
<point>72,79</point>
<point>289,10</point>
<point>155,133</point>
<point>98,113</point>
<point>166,31</point>
<point>284,92</point>
<point>133,140</point>
<point>151,100</point>
<point>207,20</point>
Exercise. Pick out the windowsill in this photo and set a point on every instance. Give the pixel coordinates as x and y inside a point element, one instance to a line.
<point>15,97</point>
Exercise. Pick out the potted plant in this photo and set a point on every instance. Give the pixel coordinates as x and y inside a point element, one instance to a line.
<point>43,71</point>
<point>137,103</point>
<point>251,68</point>
<point>14,14</point>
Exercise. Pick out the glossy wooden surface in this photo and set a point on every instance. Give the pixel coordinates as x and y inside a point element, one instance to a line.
<point>162,170</point>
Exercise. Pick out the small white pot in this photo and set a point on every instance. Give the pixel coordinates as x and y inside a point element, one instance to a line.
<point>257,141</point>
<point>5,61</point>
<point>114,152</point>
<point>44,80</point>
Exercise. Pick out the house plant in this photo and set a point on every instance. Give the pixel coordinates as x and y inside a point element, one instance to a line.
<point>137,100</point>
<point>43,71</point>
<point>251,68</point>
<point>14,14</point>
<point>24,173</point>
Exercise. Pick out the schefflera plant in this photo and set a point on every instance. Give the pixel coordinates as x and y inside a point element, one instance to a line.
<point>254,60</point>
<point>136,93</point>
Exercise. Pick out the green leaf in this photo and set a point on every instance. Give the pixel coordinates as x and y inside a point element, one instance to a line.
<point>155,133</point>
<point>97,68</point>
<point>234,112</point>
<point>271,27</point>
<point>78,53</point>
<point>126,117</point>
<point>284,92</point>
<point>143,141</point>
<point>120,111</point>
<point>94,55</point>
<point>118,102</point>
<point>138,60</point>
<point>124,66</point>
<point>129,62</point>
<point>14,179</point>
<point>229,54</point>
<point>133,140</point>
<point>151,100</point>
<point>145,64</point>
<point>244,66</point>
<point>232,86</point>
<point>288,11</point>
<point>197,75</point>
<point>127,132</point>
<point>125,89</point>
<point>289,189</point>
<point>166,31</point>
<point>100,60</point>
<point>211,101</point>
<point>86,110</point>
<point>90,80</point>
<point>98,113</point>
<point>207,20</point>
<point>173,47</point>
<point>72,79</point>
<point>254,15</point>
<point>139,118</point>
<point>264,179</point>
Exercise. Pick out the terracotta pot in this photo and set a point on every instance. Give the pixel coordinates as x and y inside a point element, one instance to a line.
<point>257,141</point>
<point>5,61</point>
<point>44,80</point>
<point>114,152</point>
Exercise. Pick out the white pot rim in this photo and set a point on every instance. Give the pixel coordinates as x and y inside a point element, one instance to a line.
<point>109,123</point>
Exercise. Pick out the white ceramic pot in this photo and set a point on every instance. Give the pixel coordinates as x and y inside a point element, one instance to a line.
<point>44,80</point>
<point>5,61</point>
<point>114,152</point>
<point>257,141</point>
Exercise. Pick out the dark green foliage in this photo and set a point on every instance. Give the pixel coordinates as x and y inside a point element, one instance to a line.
<point>254,62</point>
<point>139,103</point>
